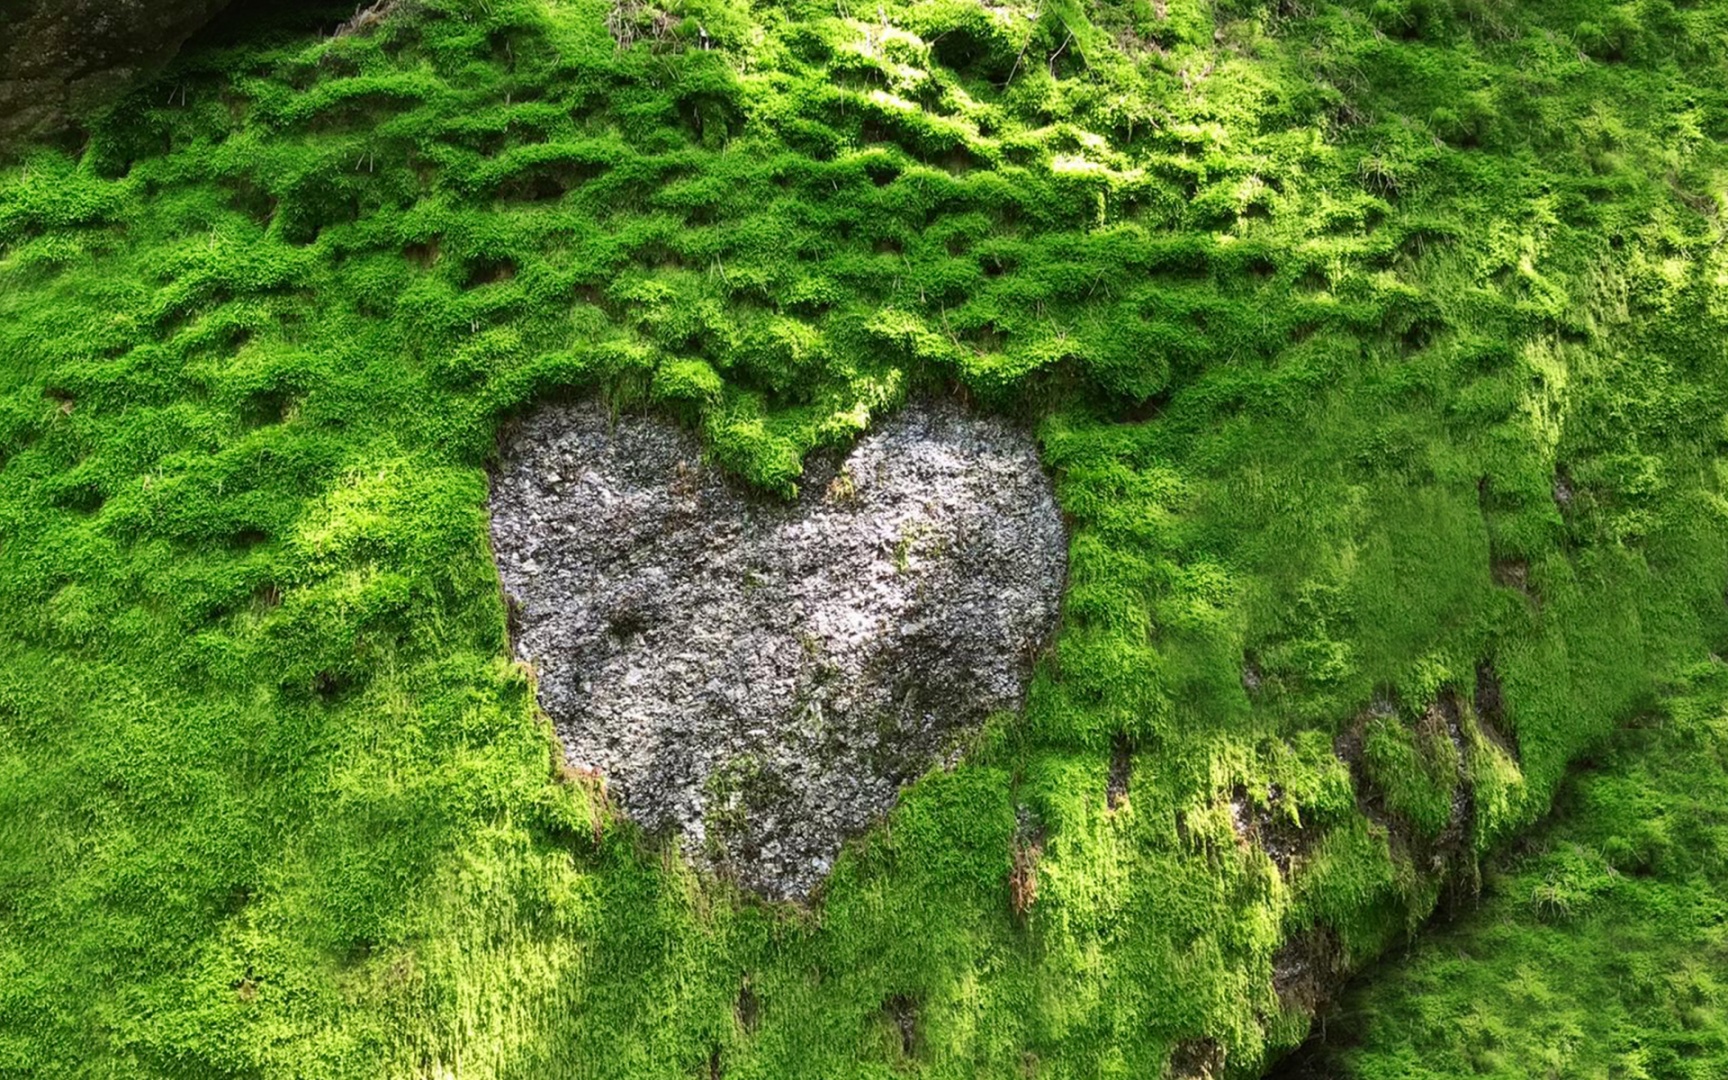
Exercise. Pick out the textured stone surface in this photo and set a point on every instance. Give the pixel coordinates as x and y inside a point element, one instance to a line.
<point>61,57</point>
<point>762,676</point>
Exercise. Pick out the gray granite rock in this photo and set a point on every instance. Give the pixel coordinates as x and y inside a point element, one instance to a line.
<point>762,676</point>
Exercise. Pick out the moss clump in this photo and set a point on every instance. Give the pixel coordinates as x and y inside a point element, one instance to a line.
<point>1376,345</point>
<point>1592,950</point>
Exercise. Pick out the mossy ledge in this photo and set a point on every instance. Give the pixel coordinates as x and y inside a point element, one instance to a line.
<point>1595,947</point>
<point>1376,348</point>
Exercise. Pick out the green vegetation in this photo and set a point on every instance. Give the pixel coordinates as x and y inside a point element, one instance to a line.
<point>1377,348</point>
<point>1597,949</point>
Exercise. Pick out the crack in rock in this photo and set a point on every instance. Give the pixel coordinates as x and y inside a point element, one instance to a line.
<point>763,676</point>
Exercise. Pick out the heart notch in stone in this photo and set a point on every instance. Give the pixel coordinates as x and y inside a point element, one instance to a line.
<point>761,675</point>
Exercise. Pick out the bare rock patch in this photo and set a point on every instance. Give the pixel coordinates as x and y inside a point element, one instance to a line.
<point>762,676</point>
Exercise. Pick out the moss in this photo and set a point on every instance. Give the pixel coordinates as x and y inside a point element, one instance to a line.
<point>1589,951</point>
<point>1366,341</point>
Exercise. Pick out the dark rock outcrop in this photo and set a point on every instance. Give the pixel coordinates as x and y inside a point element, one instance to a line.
<point>62,58</point>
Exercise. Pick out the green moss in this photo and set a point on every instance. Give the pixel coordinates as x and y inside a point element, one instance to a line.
<point>1418,771</point>
<point>1592,950</point>
<point>1373,346</point>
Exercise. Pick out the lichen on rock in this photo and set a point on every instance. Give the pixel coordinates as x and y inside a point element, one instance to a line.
<point>759,675</point>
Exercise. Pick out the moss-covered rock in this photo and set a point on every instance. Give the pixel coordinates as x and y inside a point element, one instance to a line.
<point>1376,349</point>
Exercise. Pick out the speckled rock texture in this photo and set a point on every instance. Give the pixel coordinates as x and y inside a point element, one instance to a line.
<point>59,58</point>
<point>762,676</point>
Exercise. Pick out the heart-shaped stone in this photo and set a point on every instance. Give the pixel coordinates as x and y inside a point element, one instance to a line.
<point>761,675</point>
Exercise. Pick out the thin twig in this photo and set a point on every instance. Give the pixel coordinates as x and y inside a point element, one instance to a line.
<point>1015,70</point>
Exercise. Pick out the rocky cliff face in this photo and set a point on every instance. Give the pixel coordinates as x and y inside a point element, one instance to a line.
<point>60,57</point>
